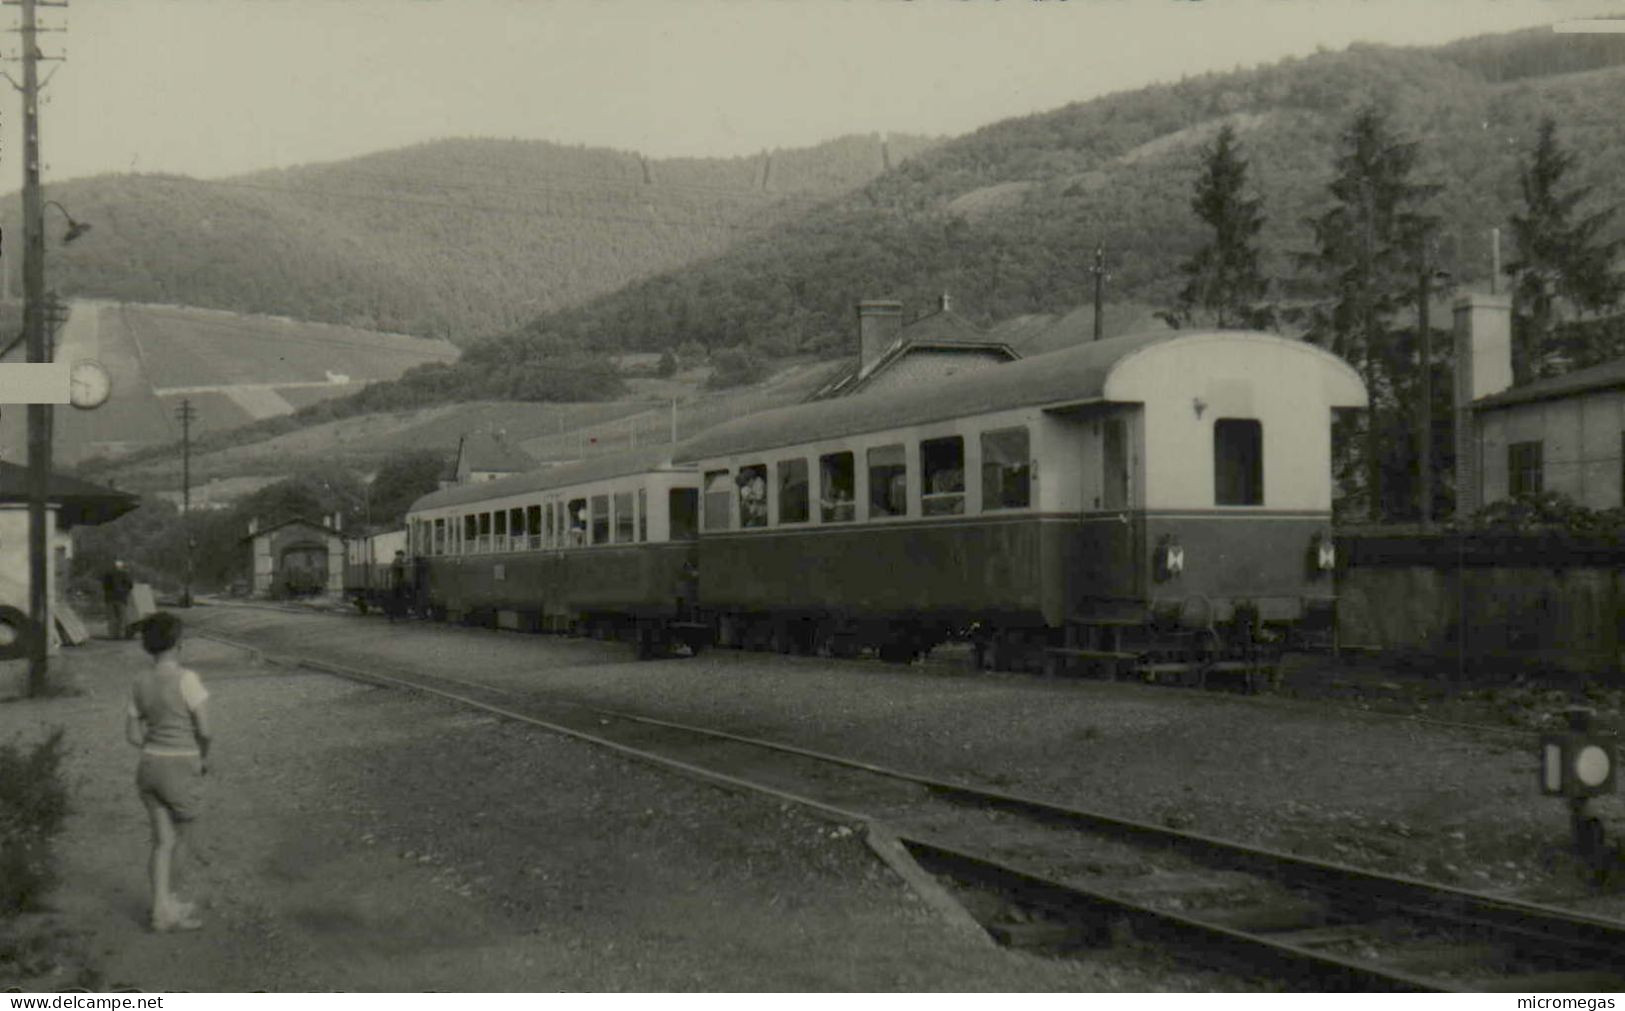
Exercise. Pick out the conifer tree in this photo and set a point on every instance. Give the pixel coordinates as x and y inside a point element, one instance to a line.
<point>1223,281</point>
<point>1365,263</point>
<point>1560,258</point>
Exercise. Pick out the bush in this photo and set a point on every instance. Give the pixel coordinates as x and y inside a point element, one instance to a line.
<point>33,805</point>
<point>735,367</point>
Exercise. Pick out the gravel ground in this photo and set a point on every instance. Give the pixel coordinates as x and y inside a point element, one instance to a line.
<point>366,839</point>
<point>1323,778</point>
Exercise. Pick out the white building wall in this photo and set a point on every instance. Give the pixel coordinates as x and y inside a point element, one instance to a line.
<point>1580,439</point>
<point>14,570</point>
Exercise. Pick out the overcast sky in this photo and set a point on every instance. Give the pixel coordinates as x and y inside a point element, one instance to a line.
<point>215,87</point>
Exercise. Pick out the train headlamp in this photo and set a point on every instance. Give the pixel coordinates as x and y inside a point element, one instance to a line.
<point>1325,553</point>
<point>1168,560</point>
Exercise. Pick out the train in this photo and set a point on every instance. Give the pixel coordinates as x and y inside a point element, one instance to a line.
<point>1159,502</point>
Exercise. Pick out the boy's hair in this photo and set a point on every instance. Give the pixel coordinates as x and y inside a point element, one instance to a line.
<point>160,632</point>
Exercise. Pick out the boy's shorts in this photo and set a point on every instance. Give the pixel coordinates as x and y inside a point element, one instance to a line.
<point>175,781</point>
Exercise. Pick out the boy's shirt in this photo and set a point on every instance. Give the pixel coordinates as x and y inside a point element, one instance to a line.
<point>165,696</point>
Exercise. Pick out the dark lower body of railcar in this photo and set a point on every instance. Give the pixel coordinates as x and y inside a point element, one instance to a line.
<point>369,587</point>
<point>642,592</point>
<point>1164,593</point>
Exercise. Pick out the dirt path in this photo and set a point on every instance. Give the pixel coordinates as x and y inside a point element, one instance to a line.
<point>364,839</point>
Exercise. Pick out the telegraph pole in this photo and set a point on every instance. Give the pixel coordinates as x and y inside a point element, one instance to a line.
<point>186,412</point>
<point>34,330</point>
<point>1424,453</point>
<point>1099,270</point>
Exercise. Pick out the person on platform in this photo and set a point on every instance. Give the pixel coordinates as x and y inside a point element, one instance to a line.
<point>116,587</point>
<point>397,586</point>
<point>168,720</point>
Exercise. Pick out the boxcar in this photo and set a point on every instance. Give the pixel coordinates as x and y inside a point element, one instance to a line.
<point>604,546</point>
<point>367,561</point>
<point>1162,499</point>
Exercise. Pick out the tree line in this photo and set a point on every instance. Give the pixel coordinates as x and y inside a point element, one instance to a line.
<point>1369,275</point>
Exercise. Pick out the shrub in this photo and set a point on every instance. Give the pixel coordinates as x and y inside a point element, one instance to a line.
<point>735,367</point>
<point>33,805</point>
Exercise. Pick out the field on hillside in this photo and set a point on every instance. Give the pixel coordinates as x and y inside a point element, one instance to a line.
<point>233,368</point>
<point>547,432</point>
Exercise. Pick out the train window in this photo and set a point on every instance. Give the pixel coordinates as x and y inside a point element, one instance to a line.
<point>793,504</point>
<point>1006,469</point>
<point>942,466</point>
<point>600,519</point>
<point>576,516</point>
<point>499,531</point>
<point>1238,461</point>
<point>625,522</point>
<point>533,526</point>
<point>471,532</point>
<point>888,481</point>
<point>485,532</point>
<point>837,488</point>
<point>440,537</point>
<point>683,505</point>
<point>516,529</point>
<point>719,496</point>
<point>643,514</point>
<point>1525,470</point>
<point>752,483</point>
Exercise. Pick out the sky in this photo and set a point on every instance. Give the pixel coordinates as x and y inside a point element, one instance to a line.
<point>217,87</point>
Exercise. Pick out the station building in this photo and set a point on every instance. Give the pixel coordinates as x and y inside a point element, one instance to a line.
<point>1565,434</point>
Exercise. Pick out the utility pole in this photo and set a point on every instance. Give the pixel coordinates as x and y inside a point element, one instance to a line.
<point>1424,333</point>
<point>1099,270</point>
<point>187,413</point>
<point>674,421</point>
<point>34,330</point>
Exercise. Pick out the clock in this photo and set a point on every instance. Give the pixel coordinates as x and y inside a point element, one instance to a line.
<point>89,385</point>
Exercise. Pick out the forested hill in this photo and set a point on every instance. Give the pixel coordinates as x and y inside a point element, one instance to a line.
<point>1007,218</point>
<point>456,238</point>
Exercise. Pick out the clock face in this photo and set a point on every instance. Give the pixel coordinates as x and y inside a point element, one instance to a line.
<point>88,384</point>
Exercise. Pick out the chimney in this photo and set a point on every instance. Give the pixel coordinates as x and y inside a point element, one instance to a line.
<point>1483,346</point>
<point>253,525</point>
<point>878,323</point>
<point>944,303</point>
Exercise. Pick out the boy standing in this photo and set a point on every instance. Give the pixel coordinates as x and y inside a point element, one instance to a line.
<point>168,721</point>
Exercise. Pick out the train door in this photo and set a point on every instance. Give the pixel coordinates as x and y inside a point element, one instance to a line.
<point>1108,577</point>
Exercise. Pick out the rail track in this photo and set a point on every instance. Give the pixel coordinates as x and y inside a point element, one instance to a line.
<point>1057,879</point>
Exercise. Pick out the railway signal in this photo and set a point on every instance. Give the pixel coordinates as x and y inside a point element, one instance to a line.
<point>1578,764</point>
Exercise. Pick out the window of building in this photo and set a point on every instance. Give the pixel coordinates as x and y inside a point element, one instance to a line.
<point>600,519</point>
<point>1114,464</point>
<point>643,515</point>
<point>888,481</point>
<point>1525,471</point>
<point>533,525</point>
<point>794,506</point>
<point>575,518</point>
<point>719,496</point>
<point>752,483</point>
<point>1238,462</point>
<point>683,506</point>
<point>1006,469</point>
<point>837,475</point>
<point>625,522</point>
<point>942,469</point>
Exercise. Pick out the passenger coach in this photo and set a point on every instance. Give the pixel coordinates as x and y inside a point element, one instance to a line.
<point>1156,499</point>
<point>604,546</point>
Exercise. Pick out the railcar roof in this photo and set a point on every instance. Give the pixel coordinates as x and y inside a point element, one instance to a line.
<point>600,468</point>
<point>1073,375</point>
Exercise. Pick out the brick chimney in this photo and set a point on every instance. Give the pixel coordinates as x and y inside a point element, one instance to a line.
<point>878,323</point>
<point>1483,346</point>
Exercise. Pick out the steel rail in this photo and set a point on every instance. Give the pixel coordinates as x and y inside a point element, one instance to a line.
<point>1545,926</point>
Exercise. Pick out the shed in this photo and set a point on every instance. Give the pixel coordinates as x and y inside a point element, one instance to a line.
<point>297,557</point>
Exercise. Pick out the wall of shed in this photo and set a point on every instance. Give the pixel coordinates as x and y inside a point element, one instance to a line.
<point>1540,610</point>
<point>266,549</point>
<point>1581,440</point>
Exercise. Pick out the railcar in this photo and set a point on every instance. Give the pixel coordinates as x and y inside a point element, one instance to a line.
<point>368,581</point>
<point>603,546</point>
<point>1159,501</point>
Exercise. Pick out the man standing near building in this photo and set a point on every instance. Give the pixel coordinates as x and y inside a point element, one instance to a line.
<point>116,587</point>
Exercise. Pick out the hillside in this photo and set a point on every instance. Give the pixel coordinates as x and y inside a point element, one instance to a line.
<point>233,369</point>
<point>455,239</point>
<point>1007,218</point>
